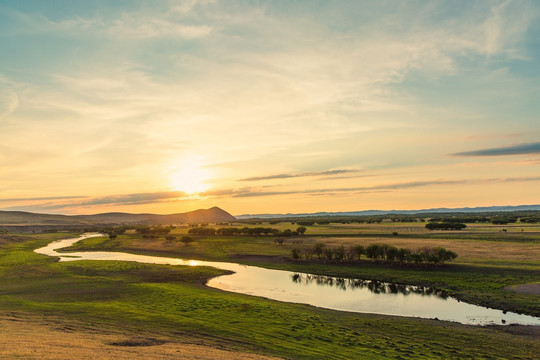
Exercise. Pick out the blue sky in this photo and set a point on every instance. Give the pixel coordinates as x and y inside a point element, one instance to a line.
<point>167,106</point>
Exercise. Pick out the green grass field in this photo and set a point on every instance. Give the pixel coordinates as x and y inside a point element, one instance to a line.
<point>172,302</point>
<point>485,266</point>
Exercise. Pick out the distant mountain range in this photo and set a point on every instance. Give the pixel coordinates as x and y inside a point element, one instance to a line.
<point>384,212</point>
<point>21,218</point>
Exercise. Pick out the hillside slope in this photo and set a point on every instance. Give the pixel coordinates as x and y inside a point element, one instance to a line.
<point>21,218</point>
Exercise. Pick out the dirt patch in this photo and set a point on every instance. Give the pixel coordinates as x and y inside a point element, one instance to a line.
<point>33,338</point>
<point>528,289</point>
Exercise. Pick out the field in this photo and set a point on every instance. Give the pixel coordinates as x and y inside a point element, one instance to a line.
<point>167,309</point>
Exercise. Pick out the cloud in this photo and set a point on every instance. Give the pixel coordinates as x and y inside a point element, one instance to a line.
<point>9,101</point>
<point>127,24</point>
<point>126,199</point>
<point>267,86</point>
<point>142,26</point>
<point>41,198</point>
<point>520,149</point>
<point>253,192</point>
<point>314,173</point>
<point>257,191</point>
<point>246,192</point>
<point>515,179</point>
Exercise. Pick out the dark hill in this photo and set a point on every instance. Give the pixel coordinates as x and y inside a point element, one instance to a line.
<point>21,218</point>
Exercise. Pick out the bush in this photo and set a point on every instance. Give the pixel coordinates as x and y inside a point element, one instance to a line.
<point>445,226</point>
<point>186,239</point>
<point>305,223</point>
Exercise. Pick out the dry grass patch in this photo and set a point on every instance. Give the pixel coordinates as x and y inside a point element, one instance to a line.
<point>36,339</point>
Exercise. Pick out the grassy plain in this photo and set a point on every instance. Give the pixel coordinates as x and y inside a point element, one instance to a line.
<point>172,304</point>
<point>489,260</point>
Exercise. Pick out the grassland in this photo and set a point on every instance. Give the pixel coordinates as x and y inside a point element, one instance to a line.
<point>489,259</point>
<point>173,305</point>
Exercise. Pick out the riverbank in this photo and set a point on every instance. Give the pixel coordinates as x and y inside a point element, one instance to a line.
<point>480,276</point>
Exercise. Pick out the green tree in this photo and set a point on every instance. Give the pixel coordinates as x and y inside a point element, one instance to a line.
<point>301,230</point>
<point>318,249</point>
<point>339,253</point>
<point>186,239</point>
<point>359,251</point>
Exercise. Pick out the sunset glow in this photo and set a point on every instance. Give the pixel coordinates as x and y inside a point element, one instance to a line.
<point>190,178</point>
<point>268,107</point>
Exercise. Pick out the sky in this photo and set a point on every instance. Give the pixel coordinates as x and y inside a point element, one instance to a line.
<point>268,106</point>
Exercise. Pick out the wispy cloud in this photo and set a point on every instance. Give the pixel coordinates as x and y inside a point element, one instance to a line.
<point>296,175</point>
<point>112,200</point>
<point>256,191</point>
<point>41,198</point>
<point>124,25</point>
<point>143,26</point>
<point>60,205</point>
<point>275,89</point>
<point>519,149</point>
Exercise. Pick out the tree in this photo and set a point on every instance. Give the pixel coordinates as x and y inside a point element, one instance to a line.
<point>359,250</point>
<point>328,254</point>
<point>445,226</point>
<point>403,255</point>
<point>339,253</point>
<point>373,251</point>
<point>318,249</point>
<point>350,253</point>
<point>301,230</point>
<point>186,239</point>
<point>391,253</point>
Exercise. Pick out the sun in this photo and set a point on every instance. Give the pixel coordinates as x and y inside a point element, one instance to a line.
<point>190,178</point>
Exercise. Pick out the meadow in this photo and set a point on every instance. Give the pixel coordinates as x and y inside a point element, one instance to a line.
<point>173,305</point>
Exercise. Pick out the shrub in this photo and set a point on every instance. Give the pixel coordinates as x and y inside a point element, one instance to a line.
<point>445,226</point>
<point>186,239</point>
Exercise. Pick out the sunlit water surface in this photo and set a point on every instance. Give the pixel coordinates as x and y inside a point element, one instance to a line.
<point>323,291</point>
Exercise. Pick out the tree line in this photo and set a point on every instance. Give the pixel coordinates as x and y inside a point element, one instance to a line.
<point>376,252</point>
<point>447,225</point>
<point>255,231</point>
<point>495,217</point>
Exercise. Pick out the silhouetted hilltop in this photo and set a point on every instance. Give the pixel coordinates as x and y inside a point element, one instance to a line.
<point>22,218</point>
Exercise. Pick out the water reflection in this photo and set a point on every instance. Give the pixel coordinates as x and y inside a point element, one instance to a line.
<point>376,287</point>
<point>336,293</point>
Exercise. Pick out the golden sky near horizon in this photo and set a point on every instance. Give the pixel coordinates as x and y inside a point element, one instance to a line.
<point>269,107</point>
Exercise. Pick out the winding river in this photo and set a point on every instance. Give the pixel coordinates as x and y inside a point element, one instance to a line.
<point>323,291</point>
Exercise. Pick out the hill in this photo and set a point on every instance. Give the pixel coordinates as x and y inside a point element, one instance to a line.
<point>394,212</point>
<point>21,218</point>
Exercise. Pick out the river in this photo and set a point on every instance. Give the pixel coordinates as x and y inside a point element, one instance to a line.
<point>342,294</point>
